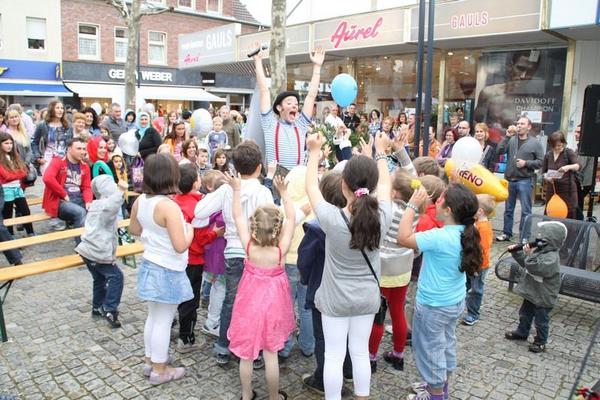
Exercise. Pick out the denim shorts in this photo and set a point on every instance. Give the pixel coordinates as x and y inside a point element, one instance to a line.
<point>163,285</point>
<point>434,341</point>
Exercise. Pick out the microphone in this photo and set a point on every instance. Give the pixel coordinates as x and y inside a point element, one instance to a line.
<point>533,245</point>
<point>255,52</point>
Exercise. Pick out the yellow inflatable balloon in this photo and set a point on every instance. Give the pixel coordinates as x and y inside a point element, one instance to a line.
<point>480,180</point>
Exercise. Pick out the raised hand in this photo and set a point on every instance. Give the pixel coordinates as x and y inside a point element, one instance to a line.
<point>234,181</point>
<point>318,56</point>
<point>382,142</point>
<point>419,197</point>
<point>280,184</point>
<point>314,141</point>
<point>261,54</point>
<point>366,149</point>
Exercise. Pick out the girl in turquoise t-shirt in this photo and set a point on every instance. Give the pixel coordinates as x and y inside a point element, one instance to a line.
<point>441,286</point>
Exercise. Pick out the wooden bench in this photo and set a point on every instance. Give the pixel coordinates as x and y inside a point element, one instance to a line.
<point>26,219</point>
<point>49,237</point>
<point>9,274</point>
<point>34,201</point>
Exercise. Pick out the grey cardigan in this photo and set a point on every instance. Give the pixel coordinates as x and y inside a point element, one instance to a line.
<point>531,151</point>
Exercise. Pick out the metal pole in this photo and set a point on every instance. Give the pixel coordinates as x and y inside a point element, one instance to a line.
<point>428,77</point>
<point>139,58</point>
<point>419,76</point>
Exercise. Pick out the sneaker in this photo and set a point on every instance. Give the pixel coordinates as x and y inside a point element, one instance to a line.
<point>222,359</point>
<point>513,335</point>
<point>503,238</point>
<point>469,320</point>
<point>113,318</point>
<point>259,363</point>
<point>373,366</point>
<point>210,331</point>
<point>348,379</point>
<point>418,387</point>
<point>97,313</point>
<point>172,374</point>
<point>308,380</point>
<point>307,355</point>
<point>425,395</point>
<point>185,347</point>
<point>537,347</point>
<point>56,224</point>
<point>396,362</point>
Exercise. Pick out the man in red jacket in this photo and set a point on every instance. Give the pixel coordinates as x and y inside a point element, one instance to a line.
<point>67,191</point>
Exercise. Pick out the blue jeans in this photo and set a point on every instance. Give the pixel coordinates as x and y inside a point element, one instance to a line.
<point>234,267</point>
<point>306,339</point>
<point>73,212</point>
<point>530,312</point>
<point>434,341</point>
<point>475,285</point>
<point>520,189</point>
<point>108,285</point>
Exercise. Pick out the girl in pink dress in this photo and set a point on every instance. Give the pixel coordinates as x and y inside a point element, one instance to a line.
<point>262,316</point>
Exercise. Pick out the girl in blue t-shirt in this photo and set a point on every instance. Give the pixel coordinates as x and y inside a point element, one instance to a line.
<point>441,286</point>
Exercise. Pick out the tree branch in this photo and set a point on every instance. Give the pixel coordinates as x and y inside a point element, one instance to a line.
<point>121,6</point>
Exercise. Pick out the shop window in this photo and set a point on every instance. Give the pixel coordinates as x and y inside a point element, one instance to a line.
<point>89,42</point>
<point>36,33</point>
<point>157,48</point>
<point>186,4</point>
<point>214,6</point>
<point>121,35</point>
<point>460,85</point>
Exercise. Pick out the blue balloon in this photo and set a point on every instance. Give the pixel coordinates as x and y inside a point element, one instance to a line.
<point>344,89</point>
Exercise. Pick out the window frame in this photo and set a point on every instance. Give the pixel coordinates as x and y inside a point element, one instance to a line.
<point>220,10</point>
<point>124,40</point>
<point>150,43</point>
<point>98,55</point>
<point>27,18</point>
<point>191,7</point>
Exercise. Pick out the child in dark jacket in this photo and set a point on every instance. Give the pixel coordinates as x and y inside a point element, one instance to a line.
<point>311,261</point>
<point>539,284</point>
<point>187,200</point>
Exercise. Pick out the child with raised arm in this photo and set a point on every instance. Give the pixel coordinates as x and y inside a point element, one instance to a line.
<point>263,315</point>
<point>162,281</point>
<point>348,297</point>
<point>283,125</point>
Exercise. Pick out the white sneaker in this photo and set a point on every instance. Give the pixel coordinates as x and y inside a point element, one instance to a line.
<point>418,387</point>
<point>185,347</point>
<point>210,331</point>
<point>56,224</point>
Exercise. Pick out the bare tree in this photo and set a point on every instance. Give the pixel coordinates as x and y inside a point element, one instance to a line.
<point>277,52</point>
<point>132,14</point>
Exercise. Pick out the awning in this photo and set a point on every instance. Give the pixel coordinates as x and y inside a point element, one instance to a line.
<point>177,93</point>
<point>34,89</point>
<point>96,90</point>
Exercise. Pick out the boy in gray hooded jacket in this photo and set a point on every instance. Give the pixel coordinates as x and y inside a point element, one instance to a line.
<point>540,283</point>
<point>98,247</point>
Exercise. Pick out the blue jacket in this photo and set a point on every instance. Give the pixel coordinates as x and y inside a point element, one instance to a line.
<point>311,260</point>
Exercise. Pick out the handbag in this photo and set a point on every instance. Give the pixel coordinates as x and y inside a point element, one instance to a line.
<point>380,316</point>
<point>136,172</point>
<point>31,176</point>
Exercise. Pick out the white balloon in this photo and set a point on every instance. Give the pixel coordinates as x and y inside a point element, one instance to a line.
<point>149,108</point>
<point>97,107</point>
<point>128,143</point>
<point>466,152</point>
<point>201,123</point>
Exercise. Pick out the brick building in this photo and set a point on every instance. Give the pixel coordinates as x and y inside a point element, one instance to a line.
<point>94,48</point>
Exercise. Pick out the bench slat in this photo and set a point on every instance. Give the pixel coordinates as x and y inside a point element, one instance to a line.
<point>49,237</point>
<point>27,219</point>
<point>58,263</point>
<point>34,201</point>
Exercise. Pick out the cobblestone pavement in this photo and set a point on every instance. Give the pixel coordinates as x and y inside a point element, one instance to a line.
<point>56,351</point>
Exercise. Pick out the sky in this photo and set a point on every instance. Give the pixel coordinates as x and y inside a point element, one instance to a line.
<point>319,9</point>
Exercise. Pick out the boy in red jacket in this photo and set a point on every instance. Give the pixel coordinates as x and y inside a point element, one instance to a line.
<point>189,184</point>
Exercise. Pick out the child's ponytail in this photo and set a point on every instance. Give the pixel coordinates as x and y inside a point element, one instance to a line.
<point>360,176</point>
<point>464,206</point>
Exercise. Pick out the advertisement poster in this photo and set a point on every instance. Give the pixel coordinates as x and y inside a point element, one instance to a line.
<point>511,84</point>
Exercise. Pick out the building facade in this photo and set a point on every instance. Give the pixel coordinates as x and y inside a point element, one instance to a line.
<point>30,52</point>
<point>94,49</point>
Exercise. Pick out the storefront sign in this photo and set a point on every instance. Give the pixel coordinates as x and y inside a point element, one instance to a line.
<point>564,15</point>
<point>363,30</point>
<point>212,46</point>
<point>151,76</point>
<point>296,41</point>
<point>22,69</point>
<point>114,73</point>
<point>467,18</point>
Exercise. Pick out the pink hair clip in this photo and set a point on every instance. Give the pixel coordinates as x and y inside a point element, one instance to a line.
<point>361,192</point>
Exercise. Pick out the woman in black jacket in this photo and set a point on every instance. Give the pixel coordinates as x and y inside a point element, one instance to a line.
<point>51,135</point>
<point>148,137</point>
<point>488,157</point>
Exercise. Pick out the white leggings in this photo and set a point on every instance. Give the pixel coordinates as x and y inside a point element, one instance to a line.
<point>157,331</point>
<point>357,331</point>
<point>217,296</point>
